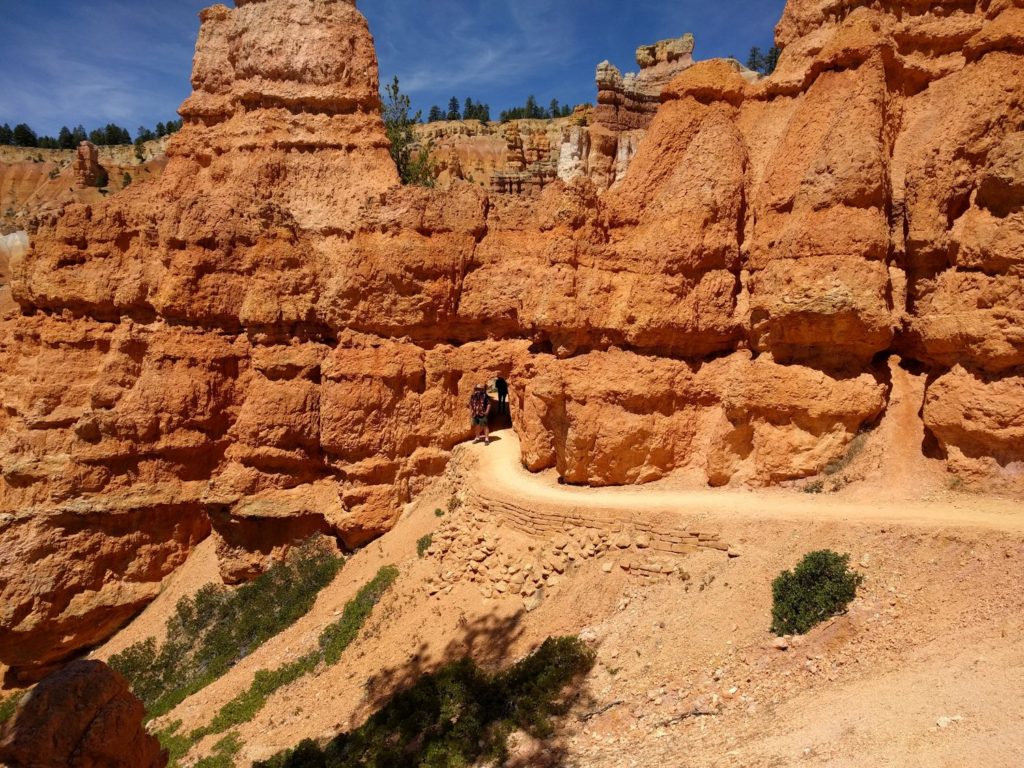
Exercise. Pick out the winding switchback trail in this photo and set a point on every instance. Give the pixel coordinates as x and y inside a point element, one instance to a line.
<point>499,477</point>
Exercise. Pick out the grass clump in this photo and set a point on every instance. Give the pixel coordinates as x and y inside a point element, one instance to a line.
<point>333,642</point>
<point>457,716</point>
<point>176,743</point>
<point>820,586</point>
<point>338,636</point>
<point>818,486</point>
<point>854,450</point>
<point>8,707</point>
<point>424,544</point>
<point>830,472</point>
<point>211,632</point>
<point>224,753</point>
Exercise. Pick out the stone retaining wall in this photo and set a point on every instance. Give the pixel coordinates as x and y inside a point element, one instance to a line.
<point>658,533</point>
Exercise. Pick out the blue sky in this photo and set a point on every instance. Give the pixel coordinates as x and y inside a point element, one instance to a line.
<point>64,62</point>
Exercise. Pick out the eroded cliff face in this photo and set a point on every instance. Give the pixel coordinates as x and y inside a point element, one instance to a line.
<point>275,339</point>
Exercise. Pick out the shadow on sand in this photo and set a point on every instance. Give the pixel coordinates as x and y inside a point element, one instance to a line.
<point>460,707</point>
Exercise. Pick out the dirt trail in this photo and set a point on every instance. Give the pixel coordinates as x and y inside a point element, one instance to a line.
<point>935,632</point>
<point>501,473</point>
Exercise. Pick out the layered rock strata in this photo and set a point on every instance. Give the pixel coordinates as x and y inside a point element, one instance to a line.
<point>519,157</point>
<point>86,167</point>
<point>276,339</point>
<point>628,103</point>
<point>35,183</point>
<point>522,157</point>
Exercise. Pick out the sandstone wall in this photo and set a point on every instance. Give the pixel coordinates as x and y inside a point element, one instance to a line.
<point>276,339</point>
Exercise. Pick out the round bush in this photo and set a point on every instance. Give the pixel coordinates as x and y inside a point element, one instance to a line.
<point>820,586</point>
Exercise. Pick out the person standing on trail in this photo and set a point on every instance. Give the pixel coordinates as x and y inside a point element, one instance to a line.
<point>501,386</point>
<point>480,410</point>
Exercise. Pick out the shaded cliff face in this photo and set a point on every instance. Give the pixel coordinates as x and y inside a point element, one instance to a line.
<point>83,715</point>
<point>275,339</point>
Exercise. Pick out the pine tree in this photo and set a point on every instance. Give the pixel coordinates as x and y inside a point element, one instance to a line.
<point>116,135</point>
<point>23,136</point>
<point>398,123</point>
<point>469,110</point>
<point>6,135</point>
<point>763,63</point>
<point>533,112</point>
<point>555,109</point>
<point>65,138</point>
<point>436,115</point>
<point>161,130</point>
<point>755,60</point>
<point>484,113</point>
<point>78,135</point>
<point>453,110</point>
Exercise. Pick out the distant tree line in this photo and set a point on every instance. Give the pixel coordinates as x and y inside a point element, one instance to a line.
<point>533,111</point>
<point>109,135</point>
<point>470,110</point>
<point>763,63</point>
<point>475,110</point>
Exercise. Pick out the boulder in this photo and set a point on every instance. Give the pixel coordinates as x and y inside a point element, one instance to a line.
<point>83,716</point>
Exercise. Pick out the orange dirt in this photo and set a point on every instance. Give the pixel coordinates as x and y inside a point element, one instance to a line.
<point>935,631</point>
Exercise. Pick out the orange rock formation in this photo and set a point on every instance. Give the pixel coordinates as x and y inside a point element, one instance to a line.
<point>83,716</point>
<point>87,165</point>
<point>276,339</point>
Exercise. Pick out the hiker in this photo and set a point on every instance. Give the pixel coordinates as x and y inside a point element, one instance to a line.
<point>501,386</point>
<point>480,409</point>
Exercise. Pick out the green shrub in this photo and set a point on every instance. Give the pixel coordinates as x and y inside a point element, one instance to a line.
<point>456,716</point>
<point>177,744</point>
<point>8,707</point>
<point>820,586</point>
<point>438,512</point>
<point>424,544</point>
<point>338,636</point>
<point>211,632</point>
<point>224,753</point>
<point>333,642</point>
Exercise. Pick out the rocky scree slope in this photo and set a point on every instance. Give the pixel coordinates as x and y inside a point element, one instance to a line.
<point>275,339</point>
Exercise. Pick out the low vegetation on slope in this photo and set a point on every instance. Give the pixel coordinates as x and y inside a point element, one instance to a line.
<point>8,707</point>
<point>334,640</point>
<point>820,586</point>
<point>456,716</point>
<point>211,632</point>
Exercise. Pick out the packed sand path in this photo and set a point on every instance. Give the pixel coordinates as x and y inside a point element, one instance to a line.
<point>500,474</point>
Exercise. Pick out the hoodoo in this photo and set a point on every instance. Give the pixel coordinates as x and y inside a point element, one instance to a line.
<point>276,339</point>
